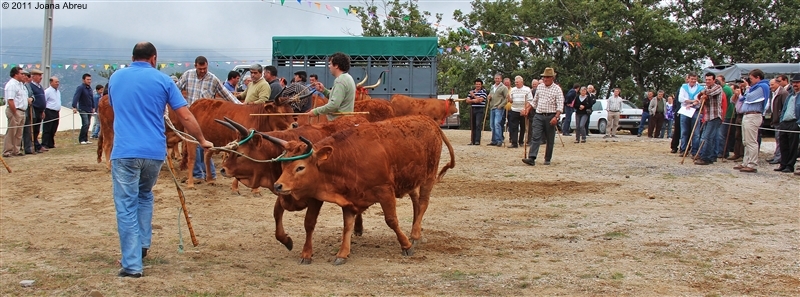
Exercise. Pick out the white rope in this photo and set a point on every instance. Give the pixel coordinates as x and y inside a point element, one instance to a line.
<point>761,128</point>
<point>42,122</point>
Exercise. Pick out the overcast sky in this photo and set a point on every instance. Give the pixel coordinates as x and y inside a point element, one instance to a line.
<point>239,29</point>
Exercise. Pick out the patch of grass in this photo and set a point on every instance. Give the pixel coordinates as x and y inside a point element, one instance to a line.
<point>573,225</point>
<point>728,276</point>
<point>524,285</point>
<point>587,276</point>
<point>617,276</point>
<point>615,234</point>
<point>639,274</point>
<point>510,175</point>
<point>558,205</point>
<point>669,176</point>
<point>712,295</point>
<point>455,275</point>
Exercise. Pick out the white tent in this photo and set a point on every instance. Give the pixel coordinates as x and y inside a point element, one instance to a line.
<point>68,120</point>
<point>737,71</point>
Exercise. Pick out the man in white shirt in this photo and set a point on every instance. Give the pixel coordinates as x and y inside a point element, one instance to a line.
<point>52,96</point>
<point>17,100</point>
<point>516,119</point>
<point>687,100</point>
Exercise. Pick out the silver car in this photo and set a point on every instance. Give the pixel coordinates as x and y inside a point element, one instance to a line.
<point>629,117</point>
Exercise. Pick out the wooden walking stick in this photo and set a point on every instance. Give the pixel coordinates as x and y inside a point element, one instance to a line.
<point>725,144</point>
<point>528,125</point>
<point>30,129</point>
<point>183,203</point>
<point>699,149</point>
<point>691,135</point>
<point>558,132</point>
<point>5,164</point>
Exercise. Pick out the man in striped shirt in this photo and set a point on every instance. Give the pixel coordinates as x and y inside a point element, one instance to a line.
<point>711,114</point>
<point>549,104</point>
<point>477,98</point>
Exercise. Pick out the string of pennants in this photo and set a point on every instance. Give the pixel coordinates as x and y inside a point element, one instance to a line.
<point>122,65</point>
<point>570,41</point>
<point>329,7</point>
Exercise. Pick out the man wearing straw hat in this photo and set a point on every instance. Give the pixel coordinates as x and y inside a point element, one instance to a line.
<point>549,104</point>
<point>343,94</point>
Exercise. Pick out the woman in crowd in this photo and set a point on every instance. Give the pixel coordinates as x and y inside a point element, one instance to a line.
<point>583,108</point>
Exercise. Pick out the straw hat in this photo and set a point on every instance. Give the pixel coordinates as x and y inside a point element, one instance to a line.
<point>548,72</point>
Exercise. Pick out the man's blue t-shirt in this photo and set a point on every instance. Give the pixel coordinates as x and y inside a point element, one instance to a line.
<point>138,95</point>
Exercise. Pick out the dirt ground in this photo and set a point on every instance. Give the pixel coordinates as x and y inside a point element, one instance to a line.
<point>606,218</point>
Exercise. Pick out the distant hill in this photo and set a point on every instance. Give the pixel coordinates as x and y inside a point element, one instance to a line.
<point>90,50</point>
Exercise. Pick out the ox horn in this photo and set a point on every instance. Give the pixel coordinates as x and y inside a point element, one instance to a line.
<point>238,127</point>
<point>226,124</point>
<point>378,83</point>
<point>279,94</point>
<point>280,142</point>
<point>309,146</point>
<point>366,75</point>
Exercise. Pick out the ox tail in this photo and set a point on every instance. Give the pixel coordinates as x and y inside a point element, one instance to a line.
<point>452,163</point>
<point>184,156</point>
<point>100,148</point>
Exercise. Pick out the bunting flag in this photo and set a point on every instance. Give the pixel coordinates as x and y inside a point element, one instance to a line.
<point>105,66</point>
<point>5,65</point>
<point>282,2</point>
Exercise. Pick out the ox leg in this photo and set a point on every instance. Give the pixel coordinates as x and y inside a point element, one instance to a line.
<point>256,192</point>
<point>358,230</point>
<point>280,233</point>
<point>191,155</point>
<point>348,215</point>
<point>312,213</point>
<point>389,206</point>
<point>207,160</point>
<point>235,187</point>
<point>421,205</point>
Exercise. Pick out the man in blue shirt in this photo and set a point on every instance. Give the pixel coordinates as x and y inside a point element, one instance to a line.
<point>83,102</point>
<point>97,95</point>
<point>752,106</point>
<point>233,80</point>
<point>138,95</point>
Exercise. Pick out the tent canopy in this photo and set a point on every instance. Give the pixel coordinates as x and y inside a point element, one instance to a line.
<point>737,71</point>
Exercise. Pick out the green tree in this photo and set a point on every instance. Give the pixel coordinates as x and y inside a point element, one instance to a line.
<point>400,18</point>
<point>757,31</point>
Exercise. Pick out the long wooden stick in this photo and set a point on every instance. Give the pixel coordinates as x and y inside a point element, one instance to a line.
<point>5,164</point>
<point>529,136</point>
<point>183,203</point>
<point>689,141</point>
<point>699,149</point>
<point>303,113</point>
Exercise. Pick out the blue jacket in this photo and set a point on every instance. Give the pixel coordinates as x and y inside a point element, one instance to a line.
<point>38,96</point>
<point>758,91</point>
<point>796,96</point>
<point>83,99</point>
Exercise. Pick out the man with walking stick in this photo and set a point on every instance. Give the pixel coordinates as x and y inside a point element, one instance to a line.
<point>549,104</point>
<point>712,114</point>
<point>140,148</point>
<point>476,98</point>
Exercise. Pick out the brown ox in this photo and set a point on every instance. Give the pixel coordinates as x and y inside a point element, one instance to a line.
<point>105,142</point>
<point>436,109</point>
<point>206,110</point>
<point>371,163</point>
<point>264,174</point>
<point>362,92</point>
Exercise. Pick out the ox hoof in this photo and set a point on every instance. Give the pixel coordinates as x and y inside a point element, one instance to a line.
<point>288,244</point>
<point>408,252</point>
<point>237,193</point>
<point>339,261</point>
<point>304,261</point>
<point>256,194</point>
<point>358,232</point>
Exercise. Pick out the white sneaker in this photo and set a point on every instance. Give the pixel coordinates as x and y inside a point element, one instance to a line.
<point>88,142</point>
<point>85,142</point>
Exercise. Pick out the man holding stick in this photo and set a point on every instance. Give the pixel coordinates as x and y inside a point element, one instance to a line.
<point>343,94</point>
<point>140,148</point>
<point>549,104</point>
<point>712,113</point>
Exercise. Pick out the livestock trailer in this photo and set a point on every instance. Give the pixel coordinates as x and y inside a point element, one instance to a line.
<point>410,62</point>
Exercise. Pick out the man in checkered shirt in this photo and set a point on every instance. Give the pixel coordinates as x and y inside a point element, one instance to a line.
<point>549,104</point>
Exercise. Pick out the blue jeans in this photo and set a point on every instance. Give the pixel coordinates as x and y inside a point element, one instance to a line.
<point>200,166</point>
<point>133,181</point>
<point>686,128</point>
<point>85,119</point>
<point>667,130</point>
<point>568,111</point>
<point>710,136</point>
<point>497,128</point>
<point>643,124</point>
<point>96,126</point>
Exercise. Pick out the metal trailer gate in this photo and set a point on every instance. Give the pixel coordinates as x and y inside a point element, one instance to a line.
<point>410,61</point>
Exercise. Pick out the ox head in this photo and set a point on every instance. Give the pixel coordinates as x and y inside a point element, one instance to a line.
<point>249,143</point>
<point>300,167</point>
<point>362,92</point>
<point>279,122</point>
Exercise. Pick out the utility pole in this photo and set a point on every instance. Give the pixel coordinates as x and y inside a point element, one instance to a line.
<point>47,44</point>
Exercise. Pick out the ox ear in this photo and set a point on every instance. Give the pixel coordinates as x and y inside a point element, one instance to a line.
<point>323,154</point>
